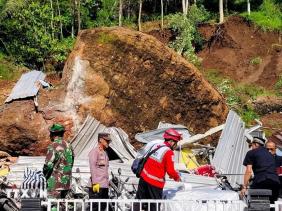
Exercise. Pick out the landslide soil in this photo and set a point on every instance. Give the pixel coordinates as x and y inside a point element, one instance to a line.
<point>233,52</point>
<point>23,129</point>
<point>232,48</point>
<point>242,52</point>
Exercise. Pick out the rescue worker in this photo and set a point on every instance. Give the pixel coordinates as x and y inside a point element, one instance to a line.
<point>271,147</point>
<point>152,178</point>
<point>58,163</point>
<point>259,161</point>
<point>99,165</point>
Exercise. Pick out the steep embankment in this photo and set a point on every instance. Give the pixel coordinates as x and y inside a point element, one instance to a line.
<point>243,52</point>
<point>240,51</point>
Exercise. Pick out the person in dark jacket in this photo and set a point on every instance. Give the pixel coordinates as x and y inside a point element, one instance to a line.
<point>271,147</point>
<point>262,163</point>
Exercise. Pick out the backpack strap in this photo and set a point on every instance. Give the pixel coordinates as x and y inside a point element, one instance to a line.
<point>152,152</point>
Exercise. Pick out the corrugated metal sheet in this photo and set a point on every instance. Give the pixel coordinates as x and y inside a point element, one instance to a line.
<point>231,149</point>
<point>27,86</point>
<point>198,137</point>
<point>87,136</point>
<point>157,134</point>
<point>36,162</point>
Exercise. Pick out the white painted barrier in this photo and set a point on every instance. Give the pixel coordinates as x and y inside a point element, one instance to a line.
<point>140,205</point>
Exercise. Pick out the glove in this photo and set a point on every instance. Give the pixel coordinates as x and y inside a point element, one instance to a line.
<point>96,188</point>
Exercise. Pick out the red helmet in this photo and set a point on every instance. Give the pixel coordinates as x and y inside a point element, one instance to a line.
<point>172,134</point>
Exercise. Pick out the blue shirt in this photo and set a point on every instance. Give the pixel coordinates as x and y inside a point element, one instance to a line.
<point>263,165</point>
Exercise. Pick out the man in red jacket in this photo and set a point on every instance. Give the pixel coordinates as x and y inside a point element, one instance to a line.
<point>152,178</point>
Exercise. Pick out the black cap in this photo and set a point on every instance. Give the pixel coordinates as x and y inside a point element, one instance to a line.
<point>259,140</point>
<point>105,136</point>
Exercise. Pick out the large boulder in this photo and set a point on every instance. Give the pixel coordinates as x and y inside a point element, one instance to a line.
<point>24,129</point>
<point>128,79</point>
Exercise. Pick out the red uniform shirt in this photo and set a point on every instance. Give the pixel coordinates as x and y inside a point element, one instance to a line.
<point>157,165</point>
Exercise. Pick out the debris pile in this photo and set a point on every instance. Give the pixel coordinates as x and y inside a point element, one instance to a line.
<point>6,161</point>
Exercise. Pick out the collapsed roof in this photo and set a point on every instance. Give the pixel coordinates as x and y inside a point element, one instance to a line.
<point>87,138</point>
<point>27,86</point>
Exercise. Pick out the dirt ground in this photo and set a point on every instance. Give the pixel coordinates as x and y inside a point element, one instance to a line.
<point>272,123</point>
<point>240,51</point>
<point>5,89</point>
<point>243,53</point>
<point>234,53</point>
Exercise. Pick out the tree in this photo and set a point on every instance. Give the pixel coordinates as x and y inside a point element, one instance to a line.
<point>60,20</point>
<point>52,17</point>
<point>162,14</point>
<point>139,15</point>
<point>248,7</point>
<point>78,16</point>
<point>120,13</point>
<point>185,6</point>
<point>31,35</point>
<point>221,14</point>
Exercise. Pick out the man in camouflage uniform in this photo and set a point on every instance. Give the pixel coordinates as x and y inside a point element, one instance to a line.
<point>58,164</point>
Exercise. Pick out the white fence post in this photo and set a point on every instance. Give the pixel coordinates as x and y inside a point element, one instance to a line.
<point>161,205</point>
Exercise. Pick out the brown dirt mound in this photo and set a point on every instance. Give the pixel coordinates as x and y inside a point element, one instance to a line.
<point>5,89</point>
<point>23,129</point>
<point>242,52</point>
<point>266,105</point>
<point>134,81</point>
<point>271,123</point>
<point>165,36</point>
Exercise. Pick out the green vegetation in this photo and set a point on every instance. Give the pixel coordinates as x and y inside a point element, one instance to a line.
<point>256,60</point>
<point>8,70</point>
<point>105,16</point>
<point>31,36</point>
<point>105,38</point>
<point>238,96</point>
<point>187,35</point>
<point>268,17</point>
<point>38,32</point>
<point>278,86</point>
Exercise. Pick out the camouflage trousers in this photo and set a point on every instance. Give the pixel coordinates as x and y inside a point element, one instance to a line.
<point>57,194</point>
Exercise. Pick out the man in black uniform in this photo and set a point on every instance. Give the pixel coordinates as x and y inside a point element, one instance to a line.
<point>262,163</point>
<point>271,147</point>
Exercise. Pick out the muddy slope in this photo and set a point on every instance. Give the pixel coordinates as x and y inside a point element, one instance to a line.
<point>243,52</point>
<point>131,80</point>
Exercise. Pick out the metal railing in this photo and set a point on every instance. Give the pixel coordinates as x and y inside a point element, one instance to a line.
<point>140,205</point>
<point>278,206</point>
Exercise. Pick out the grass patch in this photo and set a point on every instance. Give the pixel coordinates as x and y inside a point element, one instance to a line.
<point>256,60</point>
<point>238,96</point>
<point>8,70</point>
<point>105,38</point>
<point>278,86</point>
<point>269,16</point>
